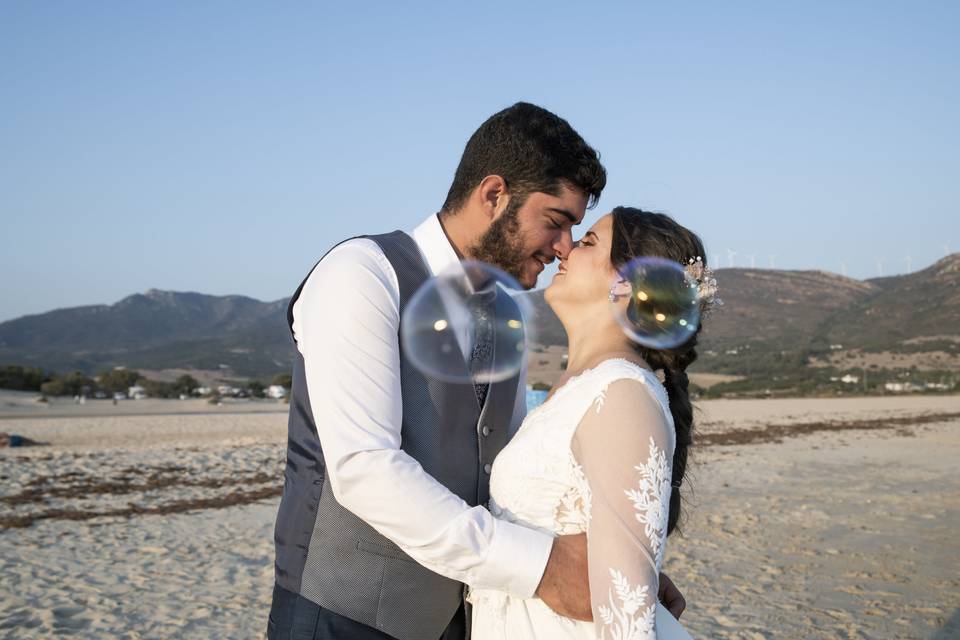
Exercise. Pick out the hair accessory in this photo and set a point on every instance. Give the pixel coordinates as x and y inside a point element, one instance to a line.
<point>676,483</point>
<point>706,283</point>
<point>620,289</point>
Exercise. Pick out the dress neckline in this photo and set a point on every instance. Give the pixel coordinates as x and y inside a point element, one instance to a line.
<point>559,391</point>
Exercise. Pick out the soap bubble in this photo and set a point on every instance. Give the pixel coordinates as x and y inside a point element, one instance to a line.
<point>472,309</point>
<point>664,311</point>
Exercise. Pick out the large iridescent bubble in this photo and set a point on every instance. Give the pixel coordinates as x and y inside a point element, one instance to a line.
<point>471,323</point>
<point>663,310</point>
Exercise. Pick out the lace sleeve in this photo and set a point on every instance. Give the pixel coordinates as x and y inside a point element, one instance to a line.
<point>624,445</point>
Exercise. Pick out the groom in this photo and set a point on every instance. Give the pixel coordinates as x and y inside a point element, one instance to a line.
<point>383,517</point>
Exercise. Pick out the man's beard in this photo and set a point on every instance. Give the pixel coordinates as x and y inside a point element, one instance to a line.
<point>501,245</point>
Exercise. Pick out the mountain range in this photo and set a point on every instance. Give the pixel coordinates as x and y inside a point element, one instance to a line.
<point>770,320</point>
<point>154,330</point>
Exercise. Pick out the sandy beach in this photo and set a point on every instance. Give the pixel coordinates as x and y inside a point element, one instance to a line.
<point>808,518</point>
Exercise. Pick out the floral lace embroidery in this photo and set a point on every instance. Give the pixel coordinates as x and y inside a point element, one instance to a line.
<point>652,499</point>
<point>601,398</point>
<point>628,619</point>
<point>573,512</point>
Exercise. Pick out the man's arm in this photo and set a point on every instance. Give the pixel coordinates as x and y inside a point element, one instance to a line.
<point>565,589</point>
<point>345,324</point>
<point>565,586</point>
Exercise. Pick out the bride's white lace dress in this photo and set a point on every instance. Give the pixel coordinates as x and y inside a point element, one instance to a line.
<point>596,457</point>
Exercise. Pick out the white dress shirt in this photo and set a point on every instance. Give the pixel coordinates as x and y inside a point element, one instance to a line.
<point>345,325</point>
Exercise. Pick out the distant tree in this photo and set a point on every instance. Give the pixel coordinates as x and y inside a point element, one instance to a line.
<point>285,380</point>
<point>157,389</point>
<point>54,387</point>
<point>118,380</point>
<point>79,383</point>
<point>71,384</point>
<point>185,384</point>
<point>255,387</point>
<point>20,378</point>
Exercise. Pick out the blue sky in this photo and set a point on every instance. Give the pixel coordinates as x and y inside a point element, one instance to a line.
<point>222,147</point>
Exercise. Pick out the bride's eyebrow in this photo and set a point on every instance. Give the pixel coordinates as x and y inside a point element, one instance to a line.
<point>591,233</point>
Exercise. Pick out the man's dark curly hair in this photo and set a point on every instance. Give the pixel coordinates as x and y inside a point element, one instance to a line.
<point>533,150</point>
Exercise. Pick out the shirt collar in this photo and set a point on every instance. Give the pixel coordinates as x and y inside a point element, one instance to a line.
<point>434,245</point>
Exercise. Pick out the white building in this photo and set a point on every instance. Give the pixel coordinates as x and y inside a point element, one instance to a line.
<point>276,391</point>
<point>136,392</point>
<point>902,387</point>
<point>849,379</point>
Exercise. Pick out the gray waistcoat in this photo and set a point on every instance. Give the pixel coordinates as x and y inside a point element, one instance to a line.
<point>332,557</point>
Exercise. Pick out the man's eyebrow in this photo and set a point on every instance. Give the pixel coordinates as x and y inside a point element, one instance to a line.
<point>569,216</point>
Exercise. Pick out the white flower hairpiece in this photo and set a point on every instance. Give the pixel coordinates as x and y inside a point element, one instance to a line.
<point>706,284</point>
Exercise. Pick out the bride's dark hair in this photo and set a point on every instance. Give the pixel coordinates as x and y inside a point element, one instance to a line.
<point>642,233</point>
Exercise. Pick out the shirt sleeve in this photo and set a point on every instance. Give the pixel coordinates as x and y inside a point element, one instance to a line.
<point>624,445</point>
<point>345,326</point>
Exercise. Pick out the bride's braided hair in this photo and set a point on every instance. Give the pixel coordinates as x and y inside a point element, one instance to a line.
<point>642,233</point>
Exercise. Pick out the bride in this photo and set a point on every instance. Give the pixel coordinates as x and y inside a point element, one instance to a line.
<point>606,453</point>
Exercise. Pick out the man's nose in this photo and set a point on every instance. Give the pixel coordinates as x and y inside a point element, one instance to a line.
<point>564,244</point>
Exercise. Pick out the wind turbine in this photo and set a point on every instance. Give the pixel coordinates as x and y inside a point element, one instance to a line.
<point>773,261</point>
<point>731,254</point>
<point>753,260</point>
<point>879,267</point>
<point>909,262</point>
<point>843,268</point>
<point>946,248</point>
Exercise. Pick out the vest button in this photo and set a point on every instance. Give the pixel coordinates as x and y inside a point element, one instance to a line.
<point>487,468</point>
<point>485,430</point>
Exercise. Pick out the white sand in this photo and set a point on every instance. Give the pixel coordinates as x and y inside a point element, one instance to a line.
<point>833,535</point>
<point>844,534</point>
<point>19,405</point>
<point>196,574</point>
<point>718,415</point>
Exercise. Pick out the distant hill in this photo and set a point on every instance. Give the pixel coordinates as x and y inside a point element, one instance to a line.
<point>781,308</point>
<point>155,330</point>
<point>923,304</point>
<point>772,321</point>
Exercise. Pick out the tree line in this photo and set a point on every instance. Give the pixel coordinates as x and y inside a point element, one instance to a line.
<point>76,383</point>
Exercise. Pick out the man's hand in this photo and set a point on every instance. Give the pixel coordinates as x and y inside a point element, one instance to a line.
<point>565,586</point>
<point>671,597</point>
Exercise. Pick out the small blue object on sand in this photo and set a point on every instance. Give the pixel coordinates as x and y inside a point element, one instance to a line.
<point>13,440</point>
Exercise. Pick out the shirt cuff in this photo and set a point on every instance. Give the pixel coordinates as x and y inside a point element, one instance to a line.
<point>517,559</point>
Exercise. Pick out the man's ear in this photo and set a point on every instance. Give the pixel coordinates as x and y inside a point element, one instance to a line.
<point>493,196</point>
